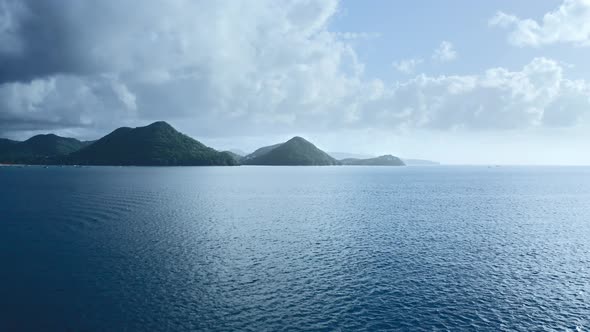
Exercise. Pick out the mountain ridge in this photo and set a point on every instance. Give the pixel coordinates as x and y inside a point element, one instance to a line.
<point>157,144</point>
<point>295,152</point>
<point>385,160</point>
<point>160,144</point>
<point>38,149</point>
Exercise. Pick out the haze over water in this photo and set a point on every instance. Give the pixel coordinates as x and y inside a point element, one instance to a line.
<point>295,248</point>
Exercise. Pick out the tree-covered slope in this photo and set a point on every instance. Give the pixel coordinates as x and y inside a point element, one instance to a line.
<point>259,152</point>
<point>157,144</point>
<point>6,144</point>
<point>235,156</point>
<point>386,160</point>
<point>295,152</point>
<point>38,149</point>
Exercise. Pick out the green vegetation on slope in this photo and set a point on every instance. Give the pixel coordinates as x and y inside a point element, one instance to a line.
<point>235,156</point>
<point>294,152</point>
<point>38,149</point>
<point>157,144</point>
<point>5,144</point>
<point>259,152</point>
<point>386,160</point>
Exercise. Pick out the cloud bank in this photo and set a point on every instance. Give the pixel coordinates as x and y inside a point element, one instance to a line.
<point>232,67</point>
<point>570,23</point>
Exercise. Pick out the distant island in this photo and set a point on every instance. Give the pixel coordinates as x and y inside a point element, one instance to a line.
<point>159,144</point>
<point>296,151</point>
<point>386,160</point>
<point>420,162</point>
<point>343,156</point>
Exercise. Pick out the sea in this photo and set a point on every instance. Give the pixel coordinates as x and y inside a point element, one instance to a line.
<point>442,248</point>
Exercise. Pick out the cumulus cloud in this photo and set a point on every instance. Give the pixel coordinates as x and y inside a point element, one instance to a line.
<point>407,66</point>
<point>570,23</point>
<point>231,67</point>
<point>445,52</point>
<point>535,96</point>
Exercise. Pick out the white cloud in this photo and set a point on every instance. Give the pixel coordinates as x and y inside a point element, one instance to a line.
<point>219,68</point>
<point>445,52</point>
<point>497,99</point>
<point>407,66</point>
<point>538,95</point>
<point>570,23</point>
<point>357,35</point>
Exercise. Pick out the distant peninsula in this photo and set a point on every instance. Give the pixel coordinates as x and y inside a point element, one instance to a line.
<point>159,144</point>
<point>386,160</point>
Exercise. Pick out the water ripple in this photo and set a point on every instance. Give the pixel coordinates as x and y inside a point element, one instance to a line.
<point>285,249</point>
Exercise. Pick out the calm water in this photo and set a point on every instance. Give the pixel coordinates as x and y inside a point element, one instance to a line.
<point>283,248</point>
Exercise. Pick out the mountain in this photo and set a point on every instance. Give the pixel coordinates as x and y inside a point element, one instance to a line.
<point>260,152</point>
<point>346,155</point>
<point>38,149</point>
<point>51,145</point>
<point>295,152</point>
<point>157,144</point>
<point>237,152</point>
<point>235,156</point>
<point>5,144</point>
<point>420,162</point>
<point>386,160</point>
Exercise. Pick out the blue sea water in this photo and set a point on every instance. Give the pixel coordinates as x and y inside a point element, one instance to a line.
<point>295,248</point>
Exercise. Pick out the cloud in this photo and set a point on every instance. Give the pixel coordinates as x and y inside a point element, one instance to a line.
<point>445,52</point>
<point>570,23</point>
<point>407,66</point>
<point>209,62</point>
<point>538,95</point>
<point>357,35</point>
<point>222,68</point>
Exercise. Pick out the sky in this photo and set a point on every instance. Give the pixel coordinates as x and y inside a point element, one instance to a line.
<point>457,81</point>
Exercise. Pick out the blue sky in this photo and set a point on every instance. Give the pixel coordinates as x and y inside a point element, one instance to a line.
<point>413,29</point>
<point>461,82</point>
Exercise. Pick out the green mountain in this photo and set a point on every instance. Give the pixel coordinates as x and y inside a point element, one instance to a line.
<point>157,144</point>
<point>386,160</point>
<point>235,156</point>
<point>6,144</point>
<point>38,149</point>
<point>347,155</point>
<point>260,152</point>
<point>238,152</point>
<point>295,152</point>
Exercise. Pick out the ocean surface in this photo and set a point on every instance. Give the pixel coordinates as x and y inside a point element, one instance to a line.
<point>295,248</point>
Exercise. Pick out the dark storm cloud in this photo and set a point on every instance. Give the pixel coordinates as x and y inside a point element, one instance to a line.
<point>9,124</point>
<point>45,42</point>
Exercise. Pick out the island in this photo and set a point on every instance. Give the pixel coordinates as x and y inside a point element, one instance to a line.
<point>295,152</point>
<point>39,149</point>
<point>159,144</point>
<point>385,160</point>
